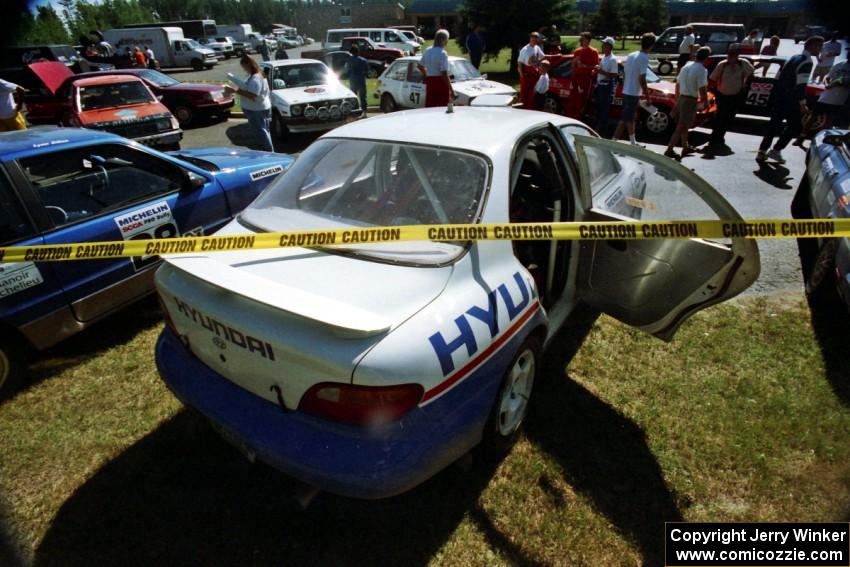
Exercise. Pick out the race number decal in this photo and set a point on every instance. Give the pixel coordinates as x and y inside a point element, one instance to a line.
<point>759,94</point>
<point>154,221</point>
<point>18,277</point>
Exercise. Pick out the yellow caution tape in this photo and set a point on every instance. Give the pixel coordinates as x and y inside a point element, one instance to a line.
<point>709,229</point>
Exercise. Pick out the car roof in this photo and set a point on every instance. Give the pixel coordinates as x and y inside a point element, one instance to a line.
<point>106,80</point>
<point>486,130</point>
<point>50,137</point>
<point>418,57</point>
<point>288,62</point>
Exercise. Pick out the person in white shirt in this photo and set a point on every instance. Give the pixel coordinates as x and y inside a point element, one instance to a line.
<point>542,86</point>
<point>830,50</point>
<point>255,100</point>
<point>434,65</point>
<point>634,82</point>
<point>149,55</point>
<point>606,77</point>
<point>527,65</point>
<point>10,112</point>
<point>691,88</point>
<point>686,48</point>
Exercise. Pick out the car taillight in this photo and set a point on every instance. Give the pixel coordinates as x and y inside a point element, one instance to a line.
<point>361,405</point>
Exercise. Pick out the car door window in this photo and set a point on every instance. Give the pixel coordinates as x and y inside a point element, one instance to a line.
<point>393,37</point>
<point>722,37</point>
<point>398,72</point>
<point>78,184</point>
<point>376,36</point>
<point>15,225</point>
<point>562,71</point>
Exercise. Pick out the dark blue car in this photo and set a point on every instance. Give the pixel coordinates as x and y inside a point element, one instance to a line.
<point>824,193</point>
<point>65,185</point>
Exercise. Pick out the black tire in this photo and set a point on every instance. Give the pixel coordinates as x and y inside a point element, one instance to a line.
<point>197,65</point>
<point>821,290</point>
<point>552,104</point>
<point>388,103</point>
<point>504,425</point>
<point>279,129</point>
<point>184,114</point>
<point>658,124</point>
<point>12,358</point>
<point>665,67</point>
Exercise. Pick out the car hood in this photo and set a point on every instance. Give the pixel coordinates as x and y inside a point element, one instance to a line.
<point>478,87</point>
<point>234,159</point>
<point>123,113</point>
<point>194,87</point>
<point>51,73</point>
<point>663,88</point>
<point>300,95</point>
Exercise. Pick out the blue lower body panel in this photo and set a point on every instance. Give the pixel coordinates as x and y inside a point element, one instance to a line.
<point>361,462</point>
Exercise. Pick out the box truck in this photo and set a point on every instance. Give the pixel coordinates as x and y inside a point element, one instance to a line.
<point>242,33</point>
<point>169,46</point>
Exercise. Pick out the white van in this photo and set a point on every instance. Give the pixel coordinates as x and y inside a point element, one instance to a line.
<point>385,37</point>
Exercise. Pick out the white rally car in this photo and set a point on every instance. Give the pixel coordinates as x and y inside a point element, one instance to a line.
<point>402,85</point>
<point>365,369</point>
<point>307,97</point>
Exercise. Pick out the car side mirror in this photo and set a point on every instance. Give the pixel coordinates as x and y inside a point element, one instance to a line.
<point>194,181</point>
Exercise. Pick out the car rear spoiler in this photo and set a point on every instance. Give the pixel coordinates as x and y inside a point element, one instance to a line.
<point>345,321</point>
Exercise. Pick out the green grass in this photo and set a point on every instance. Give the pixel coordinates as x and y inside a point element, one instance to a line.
<point>745,416</point>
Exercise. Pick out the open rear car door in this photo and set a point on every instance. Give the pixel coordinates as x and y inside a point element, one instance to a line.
<point>656,284</point>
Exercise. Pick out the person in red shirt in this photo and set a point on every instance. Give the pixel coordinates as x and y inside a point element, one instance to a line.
<point>140,59</point>
<point>585,60</point>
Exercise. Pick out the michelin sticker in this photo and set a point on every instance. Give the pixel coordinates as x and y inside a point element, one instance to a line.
<point>18,277</point>
<point>153,221</point>
<point>260,173</point>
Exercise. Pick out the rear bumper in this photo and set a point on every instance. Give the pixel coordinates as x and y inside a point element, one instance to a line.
<point>347,460</point>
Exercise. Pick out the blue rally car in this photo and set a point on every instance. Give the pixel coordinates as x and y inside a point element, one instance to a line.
<point>824,193</point>
<point>63,185</point>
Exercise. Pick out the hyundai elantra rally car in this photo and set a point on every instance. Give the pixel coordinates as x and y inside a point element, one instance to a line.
<point>365,369</point>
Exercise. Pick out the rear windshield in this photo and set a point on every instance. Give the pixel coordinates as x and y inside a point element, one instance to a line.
<point>114,94</point>
<point>362,183</point>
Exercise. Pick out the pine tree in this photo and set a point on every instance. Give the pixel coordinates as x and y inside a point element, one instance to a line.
<point>46,28</point>
<point>653,16</point>
<point>508,23</point>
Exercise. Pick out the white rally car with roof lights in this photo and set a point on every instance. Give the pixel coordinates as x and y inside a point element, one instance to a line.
<point>367,368</point>
<point>307,97</point>
<point>402,85</point>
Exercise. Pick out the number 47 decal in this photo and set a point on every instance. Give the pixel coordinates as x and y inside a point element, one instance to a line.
<point>414,97</point>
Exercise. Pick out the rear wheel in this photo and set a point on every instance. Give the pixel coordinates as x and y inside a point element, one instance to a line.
<point>820,281</point>
<point>665,67</point>
<point>11,365</point>
<point>658,124</point>
<point>551,104</point>
<point>388,103</point>
<point>197,64</point>
<point>511,406</point>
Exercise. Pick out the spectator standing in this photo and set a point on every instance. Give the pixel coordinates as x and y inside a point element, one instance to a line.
<point>772,47</point>
<point>527,64</point>
<point>552,42</point>
<point>105,48</point>
<point>434,65</point>
<point>10,111</point>
<point>542,86</point>
<point>585,60</point>
<point>833,101</point>
<point>265,53</point>
<point>255,100</point>
<point>748,44</point>
<point>139,58</point>
<point>151,58</point>
<point>357,69</point>
<point>730,79</point>
<point>606,77</point>
<point>691,88</point>
<point>831,49</point>
<point>280,53</point>
<point>686,48</point>
<point>634,82</point>
<point>475,45</point>
<point>788,101</point>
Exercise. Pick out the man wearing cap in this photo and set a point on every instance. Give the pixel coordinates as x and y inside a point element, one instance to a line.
<point>691,88</point>
<point>729,79</point>
<point>527,64</point>
<point>585,60</point>
<point>686,48</point>
<point>788,101</point>
<point>606,75</point>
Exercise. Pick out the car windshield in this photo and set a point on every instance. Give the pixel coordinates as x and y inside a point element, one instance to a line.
<point>114,94</point>
<point>462,70</point>
<point>193,44</point>
<point>307,75</point>
<point>157,78</point>
<point>652,77</point>
<point>337,184</point>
